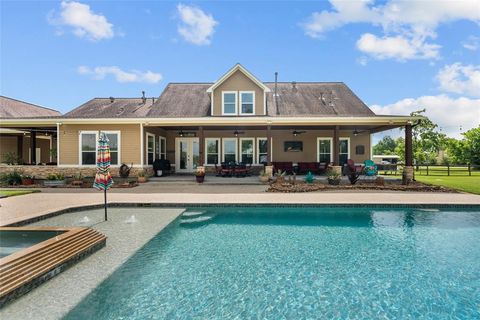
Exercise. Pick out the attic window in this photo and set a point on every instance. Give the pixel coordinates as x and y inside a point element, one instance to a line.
<point>247,102</point>
<point>229,102</point>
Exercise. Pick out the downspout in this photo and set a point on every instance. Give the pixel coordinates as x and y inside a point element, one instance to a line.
<point>58,144</point>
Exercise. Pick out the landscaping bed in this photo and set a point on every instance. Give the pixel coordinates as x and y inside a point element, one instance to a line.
<point>317,186</point>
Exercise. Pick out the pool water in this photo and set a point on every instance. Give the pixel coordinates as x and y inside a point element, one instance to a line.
<point>12,241</point>
<point>299,263</point>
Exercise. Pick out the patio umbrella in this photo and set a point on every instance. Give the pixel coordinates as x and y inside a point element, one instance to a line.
<point>103,179</point>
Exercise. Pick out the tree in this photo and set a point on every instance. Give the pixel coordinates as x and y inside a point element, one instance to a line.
<point>385,146</point>
<point>472,145</point>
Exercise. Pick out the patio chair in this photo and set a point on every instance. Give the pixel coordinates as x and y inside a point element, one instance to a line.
<point>226,169</point>
<point>240,170</point>
<point>370,168</point>
<point>283,166</point>
<point>218,170</point>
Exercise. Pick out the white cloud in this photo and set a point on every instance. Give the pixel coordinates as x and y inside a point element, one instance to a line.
<point>196,26</point>
<point>406,23</point>
<point>450,114</point>
<point>85,23</point>
<point>99,73</point>
<point>461,79</point>
<point>397,47</point>
<point>472,43</point>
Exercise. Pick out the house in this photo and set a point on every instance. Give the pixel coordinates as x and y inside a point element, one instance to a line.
<point>19,145</point>
<point>236,118</point>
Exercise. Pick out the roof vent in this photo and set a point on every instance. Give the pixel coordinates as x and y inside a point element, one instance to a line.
<point>294,86</point>
<point>153,100</point>
<point>112,99</point>
<point>143,97</point>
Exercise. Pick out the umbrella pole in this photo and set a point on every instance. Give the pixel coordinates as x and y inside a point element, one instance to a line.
<point>105,197</point>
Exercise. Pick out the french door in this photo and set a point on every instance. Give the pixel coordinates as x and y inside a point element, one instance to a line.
<point>187,154</point>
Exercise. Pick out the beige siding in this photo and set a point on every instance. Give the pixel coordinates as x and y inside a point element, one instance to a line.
<point>129,137</point>
<point>7,144</point>
<point>238,81</point>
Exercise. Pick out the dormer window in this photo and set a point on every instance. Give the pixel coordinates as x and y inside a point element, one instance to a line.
<point>229,102</point>
<point>247,102</point>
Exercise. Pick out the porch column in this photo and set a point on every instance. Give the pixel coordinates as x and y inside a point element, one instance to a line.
<point>408,170</point>
<point>336,149</point>
<point>201,146</point>
<point>269,167</point>
<point>33,147</point>
<point>20,147</point>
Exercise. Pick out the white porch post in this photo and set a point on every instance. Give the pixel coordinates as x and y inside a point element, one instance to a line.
<point>58,143</point>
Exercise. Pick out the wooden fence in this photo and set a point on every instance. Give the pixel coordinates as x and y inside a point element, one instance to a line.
<point>432,170</point>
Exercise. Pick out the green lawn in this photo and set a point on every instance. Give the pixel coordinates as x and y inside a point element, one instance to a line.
<point>462,183</point>
<point>12,193</point>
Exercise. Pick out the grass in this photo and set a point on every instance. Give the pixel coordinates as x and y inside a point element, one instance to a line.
<point>12,193</point>
<point>462,183</point>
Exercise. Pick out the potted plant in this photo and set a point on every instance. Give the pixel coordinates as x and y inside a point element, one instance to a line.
<point>27,179</point>
<point>54,180</point>
<point>280,176</point>
<point>333,177</point>
<point>77,179</point>
<point>12,178</point>
<point>200,176</point>
<point>264,177</point>
<point>142,176</point>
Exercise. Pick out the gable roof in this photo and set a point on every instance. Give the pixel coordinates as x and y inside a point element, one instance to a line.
<point>238,67</point>
<point>105,108</point>
<point>13,108</point>
<point>303,100</point>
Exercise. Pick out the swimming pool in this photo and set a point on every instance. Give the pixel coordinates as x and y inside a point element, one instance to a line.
<point>292,263</point>
<point>12,241</point>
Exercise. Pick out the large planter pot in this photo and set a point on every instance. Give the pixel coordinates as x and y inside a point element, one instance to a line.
<point>142,179</point>
<point>54,183</point>
<point>334,182</point>
<point>200,179</point>
<point>264,179</point>
<point>27,182</point>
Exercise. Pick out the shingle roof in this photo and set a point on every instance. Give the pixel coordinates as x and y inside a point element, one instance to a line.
<point>182,100</point>
<point>13,108</point>
<point>324,99</point>
<point>192,100</point>
<point>105,108</point>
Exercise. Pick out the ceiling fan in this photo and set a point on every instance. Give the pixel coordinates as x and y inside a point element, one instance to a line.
<point>236,133</point>
<point>296,133</point>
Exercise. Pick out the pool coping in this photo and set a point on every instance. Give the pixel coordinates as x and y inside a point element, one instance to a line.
<point>226,204</point>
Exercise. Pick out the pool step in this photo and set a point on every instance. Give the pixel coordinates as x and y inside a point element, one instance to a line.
<point>191,214</point>
<point>30,267</point>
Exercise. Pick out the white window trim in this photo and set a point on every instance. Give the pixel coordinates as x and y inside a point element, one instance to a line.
<point>146,149</point>
<point>349,145</point>
<point>253,102</point>
<point>236,103</point>
<point>223,148</point>
<point>119,151</point>
<point>318,147</point>
<point>160,151</point>
<point>257,149</point>
<point>80,148</point>
<point>206,153</point>
<point>253,148</point>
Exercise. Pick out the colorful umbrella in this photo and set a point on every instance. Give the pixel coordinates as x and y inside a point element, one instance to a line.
<point>103,179</point>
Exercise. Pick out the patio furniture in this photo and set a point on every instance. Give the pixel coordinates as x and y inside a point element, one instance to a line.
<point>218,171</point>
<point>161,167</point>
<point>305,167</point>
<point>370,168</point>
<point>322,167</point>
<point>283,167</point>
<point>227,169</point>
<point>240,170</point>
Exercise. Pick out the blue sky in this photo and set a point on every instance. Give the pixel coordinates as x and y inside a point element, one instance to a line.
<point>396,56</point>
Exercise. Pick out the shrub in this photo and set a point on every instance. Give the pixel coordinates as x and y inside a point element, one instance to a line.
<point>12,178</point>
<point>11,158</point>
<point>58,176</point>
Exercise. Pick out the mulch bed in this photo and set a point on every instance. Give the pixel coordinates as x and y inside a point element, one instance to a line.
<point>310,187</point>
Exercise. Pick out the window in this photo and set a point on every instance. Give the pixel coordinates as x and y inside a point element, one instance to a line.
<point>150,148</point>
<point>230,150</point>
<point>262,146</point>
<point>212,150</point>
<point>114,143</point>
<point>247,147</point>
<point>162,143</point>
<point>344,152</point>
<point>88,148</point>
<point>247,102</point>
<point>229,102</point>
<point>324,150</point>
